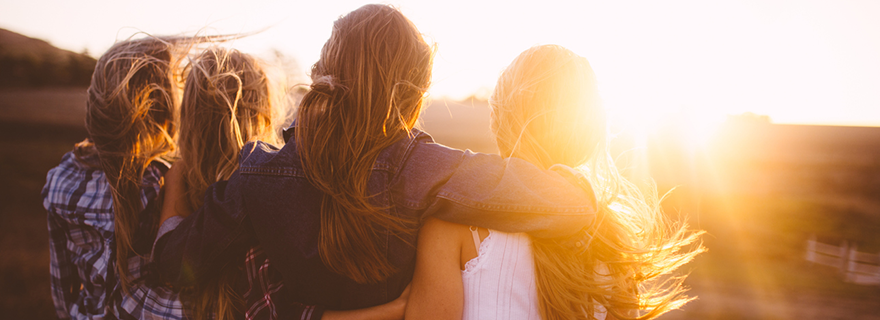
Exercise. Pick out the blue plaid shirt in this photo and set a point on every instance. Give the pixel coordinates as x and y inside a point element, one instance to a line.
<point>82,248</point>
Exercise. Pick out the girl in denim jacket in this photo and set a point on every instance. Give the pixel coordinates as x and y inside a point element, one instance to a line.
<point>228,101</point>
<point>337,208</point>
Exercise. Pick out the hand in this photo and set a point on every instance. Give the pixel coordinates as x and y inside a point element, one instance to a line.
<point>392,310</point>
<point>399,304</point>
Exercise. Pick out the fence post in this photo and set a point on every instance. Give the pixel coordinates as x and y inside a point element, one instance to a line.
<point>811,248</point>
<point>851,275</point>
<point>877,271</point>
<point>844,257</point>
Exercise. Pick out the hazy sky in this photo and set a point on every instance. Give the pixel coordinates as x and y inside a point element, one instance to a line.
<point>796,61</point>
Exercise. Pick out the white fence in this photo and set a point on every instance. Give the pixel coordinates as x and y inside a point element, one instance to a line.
<point>856,267</point>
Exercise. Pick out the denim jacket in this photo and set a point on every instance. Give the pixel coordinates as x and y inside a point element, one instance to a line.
<point>270,201</point>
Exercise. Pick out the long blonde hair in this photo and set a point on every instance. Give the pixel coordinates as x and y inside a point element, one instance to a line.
<point>131,119</point>
<point>227,101</point>
<point>367,92</point>
<point>546,109</point>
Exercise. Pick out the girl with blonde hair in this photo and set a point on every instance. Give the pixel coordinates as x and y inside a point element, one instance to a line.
<point>546,109</point>
<point>337,208</point>
<point>227,102</point>
<point>100,234</point>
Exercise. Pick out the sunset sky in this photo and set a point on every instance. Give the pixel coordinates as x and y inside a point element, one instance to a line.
<point>799,61</point>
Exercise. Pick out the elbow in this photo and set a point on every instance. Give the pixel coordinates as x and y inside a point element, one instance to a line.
<point>161,263</point>
<point>169,267</point>
<point>579,223</point>
<point>565,226</point>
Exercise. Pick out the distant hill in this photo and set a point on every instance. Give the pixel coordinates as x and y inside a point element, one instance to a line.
<point>837,167</point>
<point>29,62</point>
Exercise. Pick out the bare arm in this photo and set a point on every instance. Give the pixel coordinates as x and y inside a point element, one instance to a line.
<point>174,203</point>
<point>389,311</point>
<point>437,291</point>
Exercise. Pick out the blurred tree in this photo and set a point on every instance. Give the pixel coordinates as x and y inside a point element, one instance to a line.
<point>28,62</point>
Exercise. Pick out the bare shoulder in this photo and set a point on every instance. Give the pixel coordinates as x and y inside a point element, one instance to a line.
<point>438,235</point>
<point>436,229</point>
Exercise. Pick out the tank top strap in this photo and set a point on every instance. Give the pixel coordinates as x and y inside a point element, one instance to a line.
<point>476,234</point>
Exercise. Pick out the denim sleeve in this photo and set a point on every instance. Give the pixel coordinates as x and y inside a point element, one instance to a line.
<point>214,235</point>
<point>484,190</point>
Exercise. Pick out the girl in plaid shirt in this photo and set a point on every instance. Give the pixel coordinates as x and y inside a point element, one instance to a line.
<point>100,236</point>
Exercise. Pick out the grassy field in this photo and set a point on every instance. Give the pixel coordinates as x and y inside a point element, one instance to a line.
<point>36,128</point>
<point>754,268</point>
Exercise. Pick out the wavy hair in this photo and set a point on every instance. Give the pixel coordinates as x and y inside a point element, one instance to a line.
<point>227,101</point>
<point>131,119</point>
<point>546,109</point>
<point>367,92</point>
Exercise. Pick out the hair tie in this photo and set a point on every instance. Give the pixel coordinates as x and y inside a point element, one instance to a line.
<point>324,84</point>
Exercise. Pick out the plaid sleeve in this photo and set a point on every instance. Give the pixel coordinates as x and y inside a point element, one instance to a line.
<point>83,279</point>
<point>146,300</point>
<point>65,282</point>
<point>265,286</point>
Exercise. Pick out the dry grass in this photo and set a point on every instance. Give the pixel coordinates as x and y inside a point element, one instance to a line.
<point>28,152</point>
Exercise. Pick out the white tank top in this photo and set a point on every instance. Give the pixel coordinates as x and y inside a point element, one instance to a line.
<point>500,282</point>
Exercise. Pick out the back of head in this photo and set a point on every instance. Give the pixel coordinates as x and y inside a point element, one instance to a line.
<point>367,92</point>
<point>131,120</point>
<point>227,101</point>
<point>546,108</point>
<point>376,68</point>
<point>133,99</point>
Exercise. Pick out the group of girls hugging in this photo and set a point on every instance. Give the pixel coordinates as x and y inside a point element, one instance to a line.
<point>547,230</point>
<point>107,198</point>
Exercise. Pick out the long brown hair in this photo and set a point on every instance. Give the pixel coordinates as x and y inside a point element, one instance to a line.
<point>227,102</point>
<point>546,109</point>
<point>367,92</point>
<point>131,119</point>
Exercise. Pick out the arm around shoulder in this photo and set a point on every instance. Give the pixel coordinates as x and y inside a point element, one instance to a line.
<point>510,195</point>
<point>390,311</point>
<point>216,233</point>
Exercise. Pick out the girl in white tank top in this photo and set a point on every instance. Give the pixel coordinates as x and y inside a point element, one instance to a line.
<point>496,281</point>
<point>546,110</point>
<point>500,282</point>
